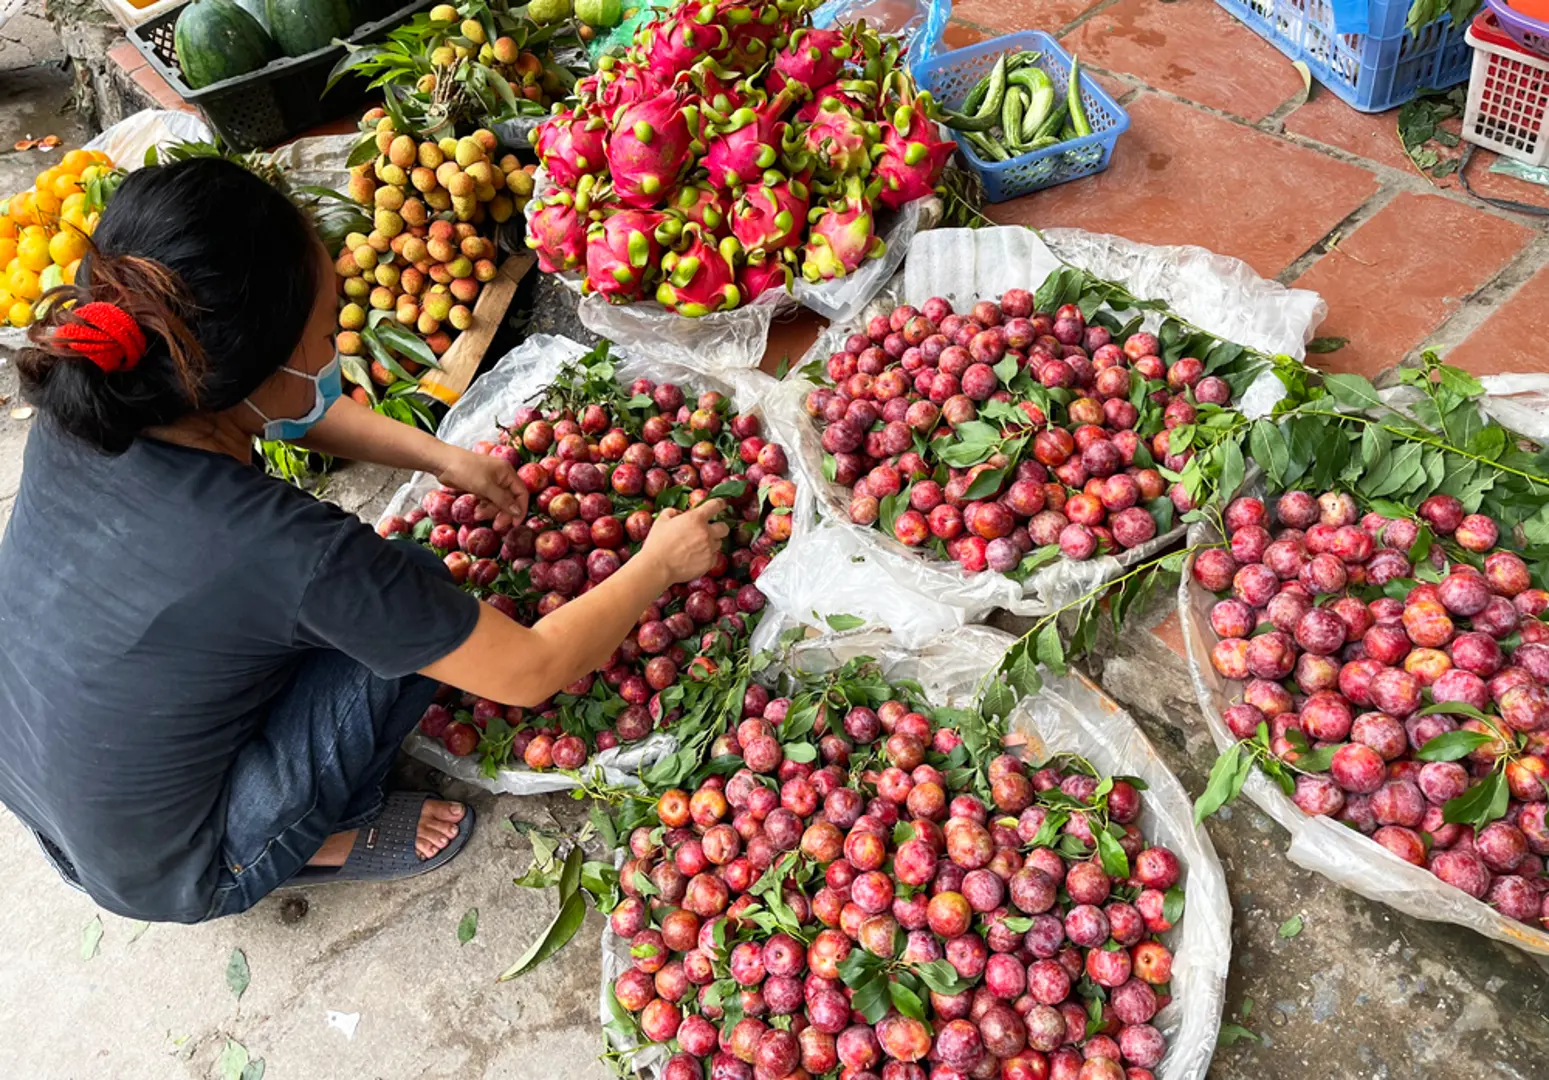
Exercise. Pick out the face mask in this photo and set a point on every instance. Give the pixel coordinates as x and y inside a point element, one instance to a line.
<point>329,389</point>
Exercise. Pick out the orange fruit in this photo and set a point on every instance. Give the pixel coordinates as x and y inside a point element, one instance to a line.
<point>67,246</point>
<point>25,284</point>
<point>70,272</point>
<point>7,249</point>
<point>33,252</point>
<point>75,160</point>
<point>45,181</point>
<point>100,158</point>
<point>7,230</point>
<point>20,313</point>
<point>22,212</point>
<point>66,185</point>
<point>46,205</point>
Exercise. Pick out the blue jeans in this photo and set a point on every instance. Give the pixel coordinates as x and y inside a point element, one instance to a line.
<point>316,768</point>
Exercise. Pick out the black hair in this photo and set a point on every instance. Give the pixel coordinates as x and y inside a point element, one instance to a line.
<point>220,271</point>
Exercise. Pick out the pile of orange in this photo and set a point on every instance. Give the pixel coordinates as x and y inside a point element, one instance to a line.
<point>43,232</point>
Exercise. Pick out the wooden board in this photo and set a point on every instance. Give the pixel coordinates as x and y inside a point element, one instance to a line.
<point>461,362</point>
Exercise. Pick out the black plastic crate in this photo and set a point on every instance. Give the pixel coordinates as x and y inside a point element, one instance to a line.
<point>278,101</point>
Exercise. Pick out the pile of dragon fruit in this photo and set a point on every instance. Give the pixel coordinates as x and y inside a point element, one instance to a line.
<point>733,147</point>
<point>984,436</point>
<point>884,907</point>
<point>1398,666</point>
<point>601,461</point>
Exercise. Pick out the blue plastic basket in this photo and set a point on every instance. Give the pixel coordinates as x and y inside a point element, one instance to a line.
<point>950,76</point>
<point>1371,72</point>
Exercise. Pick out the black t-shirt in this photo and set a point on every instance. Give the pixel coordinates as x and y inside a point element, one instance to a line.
<point>152,605</point>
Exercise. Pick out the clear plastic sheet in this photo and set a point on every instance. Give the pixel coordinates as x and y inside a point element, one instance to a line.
<point>1219,294</point>
<point>732,340</point>
<point>126,143</point>
<point>1070,714</point>
<point>919,22</point>
<point>1322,844</point>
<point>492,400</point>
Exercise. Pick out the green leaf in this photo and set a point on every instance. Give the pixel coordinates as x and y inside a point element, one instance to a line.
<point>1115,861</point>
<point>1232,470</point>
<point>571,914</point>
<point>1231,1034</point>
<point>237,974</point>
<point>840,623</point>
<point>1481,804</point>
<point>872,997</point>
<point>1218,788</point>
<point>1290,928</point>
<point>254,1070</point>
<point>801,752</point>
<point>1327,344</point>
<point>985,484</point>
<point>889,509</point>
<point>906,1000</point>
<point>1355,390</point>
<point>468,926</point>
<point>1453,745</point>
<point>1172,905</point>
<point>1317,761</point>
<point>1050,650</point>
<point>941,976</point>
<point>729,489</point>
<point>407,344</point>
<point>830,467</point>
<point>903,832</point>
<point>570,876</point>
<point>91,938</point>
<point>1268,446</point>
<point>137,928</point>
<point>233,1060</point>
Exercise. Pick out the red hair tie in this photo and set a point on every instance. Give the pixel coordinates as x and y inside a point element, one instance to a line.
<point>105,334</point>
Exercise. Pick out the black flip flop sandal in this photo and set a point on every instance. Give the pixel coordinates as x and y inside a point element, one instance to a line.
<point>384,848</point>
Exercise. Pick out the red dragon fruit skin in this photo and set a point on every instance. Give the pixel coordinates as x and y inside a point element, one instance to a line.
<point>812,58</point>
<point>835,90</point>
<point>699,279</point>
<point>839,142</point>
<point>753,32</point>
<point>622,251</point>
<point>681,39</point>
<point>557,233</point>
<point>754,281</point>
<point>770,218</point>
<point>650,145</point>
<point>618,84</point>
<point>570,145</point>
<point>701,204</point>
<point>909,159</point>
<point>749,142</point>
<point>841,236</point>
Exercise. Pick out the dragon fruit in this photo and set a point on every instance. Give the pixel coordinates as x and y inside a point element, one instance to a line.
<point>749,142</point>
<point>752,33</point>
<point>718,89</point>
<point>841,236</point>
<point>557,232</point>
<point>618,84</point>
<point>855,95</point>
<point>700,204</point>
<point>570,145</point>
<point>909,160</point>
<point>812,58</point>
<point>621,253</point>
<point>837,141</point>
<point>753,280</point>
<point>651,143</point>
<point>681,39</point>
<point>770,218</point>
<point>699,279</point>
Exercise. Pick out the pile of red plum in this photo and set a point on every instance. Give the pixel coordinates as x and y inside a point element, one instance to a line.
<point>1341,643</point>
<point>598,475</point>
<point>988,434</point>
<point>1030,960</point>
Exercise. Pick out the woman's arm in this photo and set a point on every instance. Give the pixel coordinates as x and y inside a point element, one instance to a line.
<point>350,430</point>
<point>512,664</point>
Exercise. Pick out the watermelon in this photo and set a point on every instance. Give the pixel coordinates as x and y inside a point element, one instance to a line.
<point>216,40</point>
<point>303,26</point>
<point>257,9</point>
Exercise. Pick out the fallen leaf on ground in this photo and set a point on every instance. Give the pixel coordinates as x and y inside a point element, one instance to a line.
<point>468,926</point>
<point>237,974</point>
<point>233,1060</point>
<point>91,938</point>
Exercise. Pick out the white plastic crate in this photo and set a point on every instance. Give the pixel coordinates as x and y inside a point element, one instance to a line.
<point>129,16</point>
<point>1508,96</point>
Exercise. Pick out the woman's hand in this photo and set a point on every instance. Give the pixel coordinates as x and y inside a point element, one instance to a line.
<point>685,545</point>
<point>492,479</point>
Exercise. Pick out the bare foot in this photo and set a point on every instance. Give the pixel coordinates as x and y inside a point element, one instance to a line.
<point>438,825</point>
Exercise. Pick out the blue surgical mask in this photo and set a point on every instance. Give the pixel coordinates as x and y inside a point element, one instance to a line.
<point>329,389</point>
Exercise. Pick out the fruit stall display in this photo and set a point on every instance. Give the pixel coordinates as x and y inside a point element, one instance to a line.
<point>45,231</point>
<point>859,879</point>
<point>730,151</point>
<point>1023,431</point>
<point>603,457</point>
